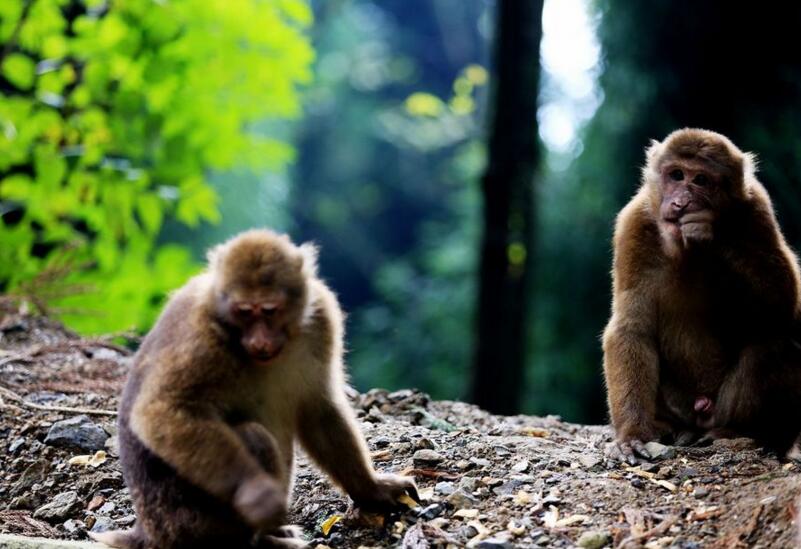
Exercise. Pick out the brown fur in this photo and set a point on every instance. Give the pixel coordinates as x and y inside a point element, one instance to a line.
<point>207,433</point>
<point>705,304</point>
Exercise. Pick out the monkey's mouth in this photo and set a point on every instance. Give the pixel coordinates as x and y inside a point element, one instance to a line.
<point>263,358</point>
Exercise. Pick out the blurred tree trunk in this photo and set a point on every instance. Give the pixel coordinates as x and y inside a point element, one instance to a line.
<point>507,187</point>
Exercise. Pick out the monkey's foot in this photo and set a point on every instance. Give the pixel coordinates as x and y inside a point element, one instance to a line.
<point>794,453</point>
<point>627,451</point>
<point>286,537</point>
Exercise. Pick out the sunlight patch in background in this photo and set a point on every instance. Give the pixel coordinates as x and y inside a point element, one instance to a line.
<point>571,65</point>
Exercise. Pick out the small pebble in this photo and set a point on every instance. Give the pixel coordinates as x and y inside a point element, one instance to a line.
<point>427,457</point>
<point>660,451</point>
<point>444,488</point>
<point>521,466</point>
<point>16,445</point>
<point>594,539</point>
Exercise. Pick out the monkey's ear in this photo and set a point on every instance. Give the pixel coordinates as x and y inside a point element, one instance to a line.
<point>652,150</point>
<point>308,254</point>
<point>214,255</point>
<point>750,164</point>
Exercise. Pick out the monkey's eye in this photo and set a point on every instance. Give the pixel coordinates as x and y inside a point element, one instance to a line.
<point>701,180</point>
<point>243,310</point>
<point>676,175</point>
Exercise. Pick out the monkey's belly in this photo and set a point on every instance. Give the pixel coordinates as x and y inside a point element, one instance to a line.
<point>690,367</point>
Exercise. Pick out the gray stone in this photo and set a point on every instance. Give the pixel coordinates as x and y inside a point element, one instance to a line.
<point>444,488</point>
<point>103,524</point>
<point>521,466</point>
<point>480,462</point>
<point>16,445</point>
<point>77,432</point>
<point>34,473</point>
<point>496,542</point>
<point>59,508</point>
<point>590,461</point>
<point>460,500</point>
<point>73,526</point>
<point>660,451</point>
<point>427,457</point>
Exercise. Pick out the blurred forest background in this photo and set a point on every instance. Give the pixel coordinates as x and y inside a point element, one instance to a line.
<point>136,133</point>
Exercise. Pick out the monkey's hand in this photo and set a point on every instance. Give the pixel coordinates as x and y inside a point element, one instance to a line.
<point>261,501</point>
<point>388,493</point>
<point>696,227</point>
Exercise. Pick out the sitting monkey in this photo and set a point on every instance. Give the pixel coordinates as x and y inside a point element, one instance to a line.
<point>245,359</point>
<point>703,338</point>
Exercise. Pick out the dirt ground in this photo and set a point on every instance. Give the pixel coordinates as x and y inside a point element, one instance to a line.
<point>487,481</point>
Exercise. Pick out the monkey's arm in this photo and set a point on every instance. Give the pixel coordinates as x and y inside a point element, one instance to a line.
<point>631,368</point>
<point>329,433</point>
<point>758,254</point>
<point>206,451</point>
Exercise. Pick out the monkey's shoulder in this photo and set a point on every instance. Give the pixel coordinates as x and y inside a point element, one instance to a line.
<point>323,324</point>
<point>637,242</point>
<point>182,316</point>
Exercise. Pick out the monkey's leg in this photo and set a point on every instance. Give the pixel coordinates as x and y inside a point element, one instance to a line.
<point>173,513</point>
<point>759,398</point>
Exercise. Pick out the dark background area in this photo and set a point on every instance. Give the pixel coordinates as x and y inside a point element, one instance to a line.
<point>393,174</point>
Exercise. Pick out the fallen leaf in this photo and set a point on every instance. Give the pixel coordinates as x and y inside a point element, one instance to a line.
<point>407,501</point>
<point>381,455</point>
<point>571,520</point>
<point>329,523</point>
<point>535,432</point>
<point>522,498</point>
<point>466,513</point>
<point>665,484</point>
<point>639,472</point>
<point>94,461</point>
<point>550,517</point>
<point>703,513</point>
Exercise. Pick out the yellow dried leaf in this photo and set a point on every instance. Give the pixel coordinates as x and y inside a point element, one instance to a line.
<point>80,460</point>
<point>515,529</point>
<point>639,472</point>
<point>571,520</point>
<point>522,498</point>
<point>407,501</point>
<point>665,484</point>
<point>466,513</point>
<point>98,459</point>
<point>550,517</point>
<point>329,523</point>
<point>95,461</point>
<point>703,513</point>
<point>535,432</point>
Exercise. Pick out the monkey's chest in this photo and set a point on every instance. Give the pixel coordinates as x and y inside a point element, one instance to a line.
<point>694,349</point>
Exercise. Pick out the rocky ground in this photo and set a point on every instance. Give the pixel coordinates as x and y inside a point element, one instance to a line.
<point>486,481</point>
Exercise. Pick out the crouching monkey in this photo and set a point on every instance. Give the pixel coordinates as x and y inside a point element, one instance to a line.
<point>245,359</point>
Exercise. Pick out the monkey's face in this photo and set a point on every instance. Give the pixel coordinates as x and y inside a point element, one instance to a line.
<point>259,323</point>
<point>691,194</point>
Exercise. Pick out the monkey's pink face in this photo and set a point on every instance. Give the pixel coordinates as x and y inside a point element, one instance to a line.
<point>686,188</point>
<point>262,327</point>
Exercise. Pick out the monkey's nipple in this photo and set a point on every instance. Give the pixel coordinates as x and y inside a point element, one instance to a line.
<point>703,406</point>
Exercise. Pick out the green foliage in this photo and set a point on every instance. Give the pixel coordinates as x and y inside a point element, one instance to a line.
<point>111,115</point>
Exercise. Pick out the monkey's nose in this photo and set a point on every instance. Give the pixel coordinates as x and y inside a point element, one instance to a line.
<point>679,204</point>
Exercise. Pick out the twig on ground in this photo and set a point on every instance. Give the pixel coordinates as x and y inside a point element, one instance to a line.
<point>48,408</point>
<point>660,529</point>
